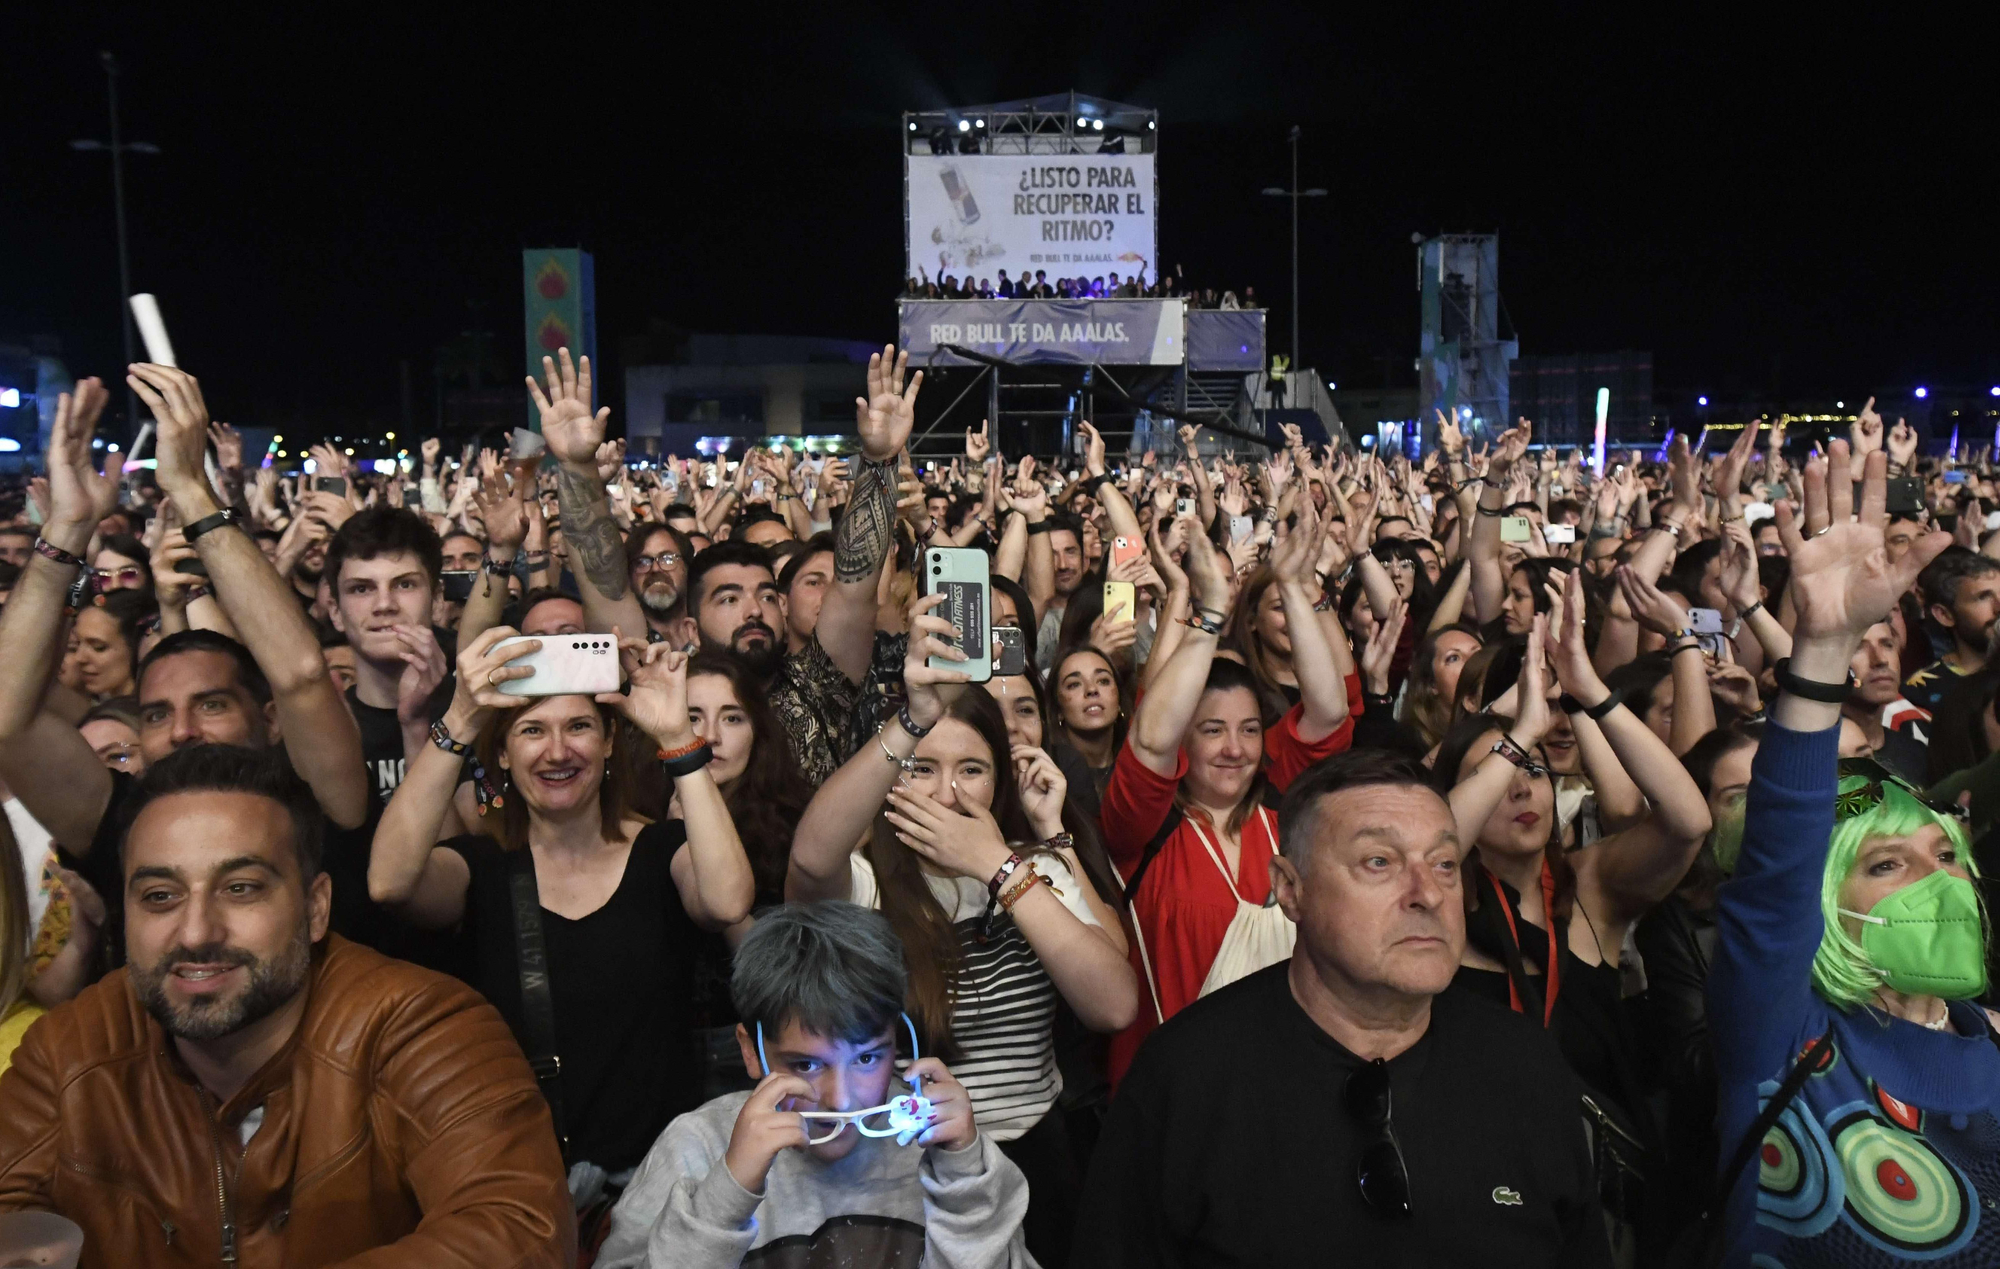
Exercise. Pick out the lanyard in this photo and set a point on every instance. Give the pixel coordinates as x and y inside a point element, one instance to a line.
<point>1549,920</point>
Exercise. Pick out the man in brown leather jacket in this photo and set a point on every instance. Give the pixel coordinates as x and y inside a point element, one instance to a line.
<point>251,1091</point>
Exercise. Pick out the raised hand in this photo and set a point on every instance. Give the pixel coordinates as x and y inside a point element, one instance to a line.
<point>1187,435</point>
<point>1113,632</point>
<point>79,495</point>
<point>1450,438</point>
<point>1093,453</point>
<point>573,433</point>
<point>657,701</point>
<point>424,667</point>
<point>885,416</point>
<point>1531,690</point>
<point>1685,477</point>
<point>930,691</point>
<point>1508,450</point>
<point>1043,787</point>
<point>977,445</point>
<point>1842,578</point>
<point>228,444</point>
<point>430,449</point>
<point>505,512</point>
<point>1381,648</point>
<point>1739,566</point>
<point>174,396</point>
<point>1651,607</point>
<point>1729,472</point>
<point>1574,670</point>
<point>1865,433</point>
<point>1903,445</point>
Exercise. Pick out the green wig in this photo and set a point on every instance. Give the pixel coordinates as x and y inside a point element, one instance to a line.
<point>1871,803</point>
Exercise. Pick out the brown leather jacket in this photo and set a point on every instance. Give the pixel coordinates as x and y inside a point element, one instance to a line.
<point>402,1127</point>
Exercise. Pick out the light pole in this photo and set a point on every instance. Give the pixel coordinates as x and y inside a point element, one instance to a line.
<point>1295,194</point>
<point>118,148</point>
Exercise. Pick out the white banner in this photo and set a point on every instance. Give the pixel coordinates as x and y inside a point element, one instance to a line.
<point>1070,215</point>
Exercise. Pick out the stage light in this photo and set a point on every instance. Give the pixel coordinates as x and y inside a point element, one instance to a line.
<point>964,126</point>
<point>1097,124</point>
<point>1922,393</point>
<point>1701,400</point>
<point>10,398</point>
<point>8,445</point>
<point>913,125</point>
<point>1993,391</point>
<point>1840,405</point>
<point>1151,125</point>
<point>979,124</point>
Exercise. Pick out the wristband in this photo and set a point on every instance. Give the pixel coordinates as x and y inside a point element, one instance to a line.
<point>50,551</point>
<point>1091,484</point>
<point>910,724</point>
<point>1200,621</point>
<point>194,592</point>
<point>1745,614</point>
<point>669,755</point>
<point>1000,878</point>
<point>1061,841</point>
<point>499,568</point>
<point>1494,512</point>
<point>1511,750</point>
<point>442,739</point>
<point>1693,643</point>
<point>1022,887</point>
<point>688,761</point>
<point>1596,713</point>
<point>225,516</point>
<point>1811,689</point>
<point>1039,526</point>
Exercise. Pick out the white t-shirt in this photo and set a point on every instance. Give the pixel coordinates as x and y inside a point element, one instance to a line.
<point>1004,1019</point>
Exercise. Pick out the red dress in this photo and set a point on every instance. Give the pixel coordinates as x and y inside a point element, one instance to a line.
<point>1183,909</point>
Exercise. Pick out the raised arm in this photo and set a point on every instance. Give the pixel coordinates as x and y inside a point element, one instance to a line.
<point>867,530</point>
<point>1473,798</point>
<point>1639,866</point>
<point>712,873</point>
<point>839,815</point>
<point>45,760</point>
<point>506,513</point>
<point>1769,916</point>
<point>1489,580</point>
<point>1204,491</point>
<point>321,737</point>
<point>1124,522</point>
<point>407,871</point>
<point>573,434</point>
<point>1031,500</point>
<point>1694,706</point>
<point>1322,684</point>
<point>1163,716</point>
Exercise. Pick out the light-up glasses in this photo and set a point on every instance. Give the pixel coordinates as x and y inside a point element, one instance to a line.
<point>906,1116</point>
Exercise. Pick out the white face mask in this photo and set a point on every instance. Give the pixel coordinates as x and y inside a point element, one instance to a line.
<point>906,1116</point>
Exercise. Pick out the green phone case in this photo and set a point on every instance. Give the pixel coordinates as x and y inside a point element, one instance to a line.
<point>960,573</point>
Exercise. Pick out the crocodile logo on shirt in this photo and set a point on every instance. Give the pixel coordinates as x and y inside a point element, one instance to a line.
<point>1506,1197</point>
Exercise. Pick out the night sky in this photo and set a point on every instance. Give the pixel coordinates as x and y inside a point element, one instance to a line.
<point>1797,208</point>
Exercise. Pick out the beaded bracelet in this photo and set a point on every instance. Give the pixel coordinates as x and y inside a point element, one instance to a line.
<point>686,762</point>
<point>668,755</point>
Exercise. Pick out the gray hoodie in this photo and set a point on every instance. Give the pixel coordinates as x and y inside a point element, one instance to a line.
<point>883,1205</point>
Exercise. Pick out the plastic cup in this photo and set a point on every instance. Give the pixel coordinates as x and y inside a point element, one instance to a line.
<point>41,1239</point>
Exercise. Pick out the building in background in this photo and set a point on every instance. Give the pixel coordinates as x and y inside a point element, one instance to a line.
<point>683,388</point>
<point>1464,344</point>
<point>1558,392</point>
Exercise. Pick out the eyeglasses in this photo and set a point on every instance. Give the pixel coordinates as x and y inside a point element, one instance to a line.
<point>1384,1181</point>
<point>1863,783</point>
<point>666,559</point>
<point>904,1117</point>
<point>125,578</point>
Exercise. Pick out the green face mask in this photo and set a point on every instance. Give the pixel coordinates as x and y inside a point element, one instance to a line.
<point>1927,938</point>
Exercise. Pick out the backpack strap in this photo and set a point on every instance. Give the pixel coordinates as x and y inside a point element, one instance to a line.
<point>1787,1092</point>
<point>1167,826</point>
<point>538,1006</point>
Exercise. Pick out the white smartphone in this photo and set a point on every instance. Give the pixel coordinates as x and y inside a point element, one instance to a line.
<point>1240,528</point>
<point>566,665</point>
<point>1559,534</point>
<point>153,329</point>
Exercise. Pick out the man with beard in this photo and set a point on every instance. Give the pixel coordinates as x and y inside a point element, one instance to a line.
<point>1897,731</point>
<point>658,555</point>
<point>732,601</point>
<point>196,687</point>
<point>1962,591</point>
<point>245,1050</point>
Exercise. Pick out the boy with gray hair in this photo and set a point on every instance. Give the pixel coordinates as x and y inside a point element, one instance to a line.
<point>835,1157</point>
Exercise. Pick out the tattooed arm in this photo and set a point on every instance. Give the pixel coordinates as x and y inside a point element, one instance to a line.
<point>596,550</point>
<point>867,530</point>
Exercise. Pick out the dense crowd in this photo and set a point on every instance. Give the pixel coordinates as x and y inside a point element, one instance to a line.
<point>1103,286</point>
<point>1479,860</point>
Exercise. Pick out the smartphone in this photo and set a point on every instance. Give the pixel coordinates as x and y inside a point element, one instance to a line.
<point>566,665</point>
<point>1906,494</point>
<point>1121,595</point>
<point>1515,529</point>
<point>1954,478</point>
<point>1559,534</point>
<point>1010,651</point>
<point>330,484</point>
<point>1124,549</point>
<point>457,584</point>
<point>193,566</point>
<point>1705,621</point>
<point>960,575</point>
<point>413,494</point>
<point>1240,528</point>
<point>1184,506</point>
